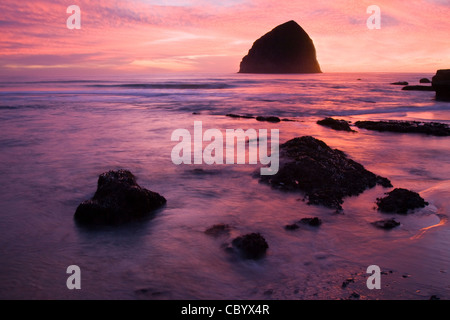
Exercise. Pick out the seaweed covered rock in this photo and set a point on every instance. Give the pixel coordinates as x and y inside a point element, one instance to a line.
<point>323,174</point>
<point>285,49</point>
<point>339,125</point>
<point>400,201</point>
<point>429,128</point>
<point>118,199</point>
<point>251,246</point>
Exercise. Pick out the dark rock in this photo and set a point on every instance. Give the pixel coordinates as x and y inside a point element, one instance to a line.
<point>434,297</point>
<point>441,84</point>
<point>400,83</point>
<point>386,224</point>
<point>340,125</point>
<point>424,80</point>
<point>285,49</point>
<point>288,120</point>
<point>293,226</point>
<point>232,115</point>
<point>252,246</point>
<point>218,230</point>
<point>268,119</point>
<point>430,128</point>
<point>418,88</point>
<point>314,222</point>
<point>118,199</point>
<point>325,175</point>
<point>400,201</point>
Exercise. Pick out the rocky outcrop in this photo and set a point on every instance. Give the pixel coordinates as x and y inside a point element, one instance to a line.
<point>285,49</point>
<point>429,128</point>
<point>118,199</point>
<point>441,84</point>
<point>335,124</point>
<point>424,80</point>
<point>323,174</point>
<point>400,201</point>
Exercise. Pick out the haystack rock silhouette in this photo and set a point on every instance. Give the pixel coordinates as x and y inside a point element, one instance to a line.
<point>285,49</point>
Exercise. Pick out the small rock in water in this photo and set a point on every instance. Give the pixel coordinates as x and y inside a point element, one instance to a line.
<point>418,88</point>
<point>252,246</point>
<point>386,224</point>
<point>425,80</point>
<point>118,199</point>
<point>400,83</point>
<point>293,226</point>
<point>339,125</point>
<point>314,222</point>
<point>268,119</point>
<point>400,201</point>
<point>218,230</point>
<point>232,115</point>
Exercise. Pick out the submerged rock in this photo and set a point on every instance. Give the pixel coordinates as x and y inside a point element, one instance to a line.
<point>268,119</point>
<point>285,49</point>
<point>400,83</point>
<point>251,246</point>
<point>400,201</point>
<point>118,199</point>
<point>418,88</point>
<point>386,224</point>
<point>218,230</point>
<point>430,128</point>
<point>340,125</point>
<point>293,226</point>
<point>324,174</point>
<point>314,222</point>
<point>441,84</point>
<point>232,115</point>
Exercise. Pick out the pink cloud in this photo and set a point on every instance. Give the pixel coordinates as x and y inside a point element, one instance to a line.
<point>206,36</point>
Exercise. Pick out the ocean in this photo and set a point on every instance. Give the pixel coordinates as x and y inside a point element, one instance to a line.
<point>59,135</point>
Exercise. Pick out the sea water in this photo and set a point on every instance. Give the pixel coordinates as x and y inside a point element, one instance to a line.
<point>58,135</point>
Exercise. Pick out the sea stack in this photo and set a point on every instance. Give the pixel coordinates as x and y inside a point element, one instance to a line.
<point>441,84</point>
<point>285,49</point>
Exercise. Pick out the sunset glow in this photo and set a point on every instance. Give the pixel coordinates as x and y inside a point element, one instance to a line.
<point>158,36</point>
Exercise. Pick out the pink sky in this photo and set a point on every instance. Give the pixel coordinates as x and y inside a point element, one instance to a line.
<point>156,36</point>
